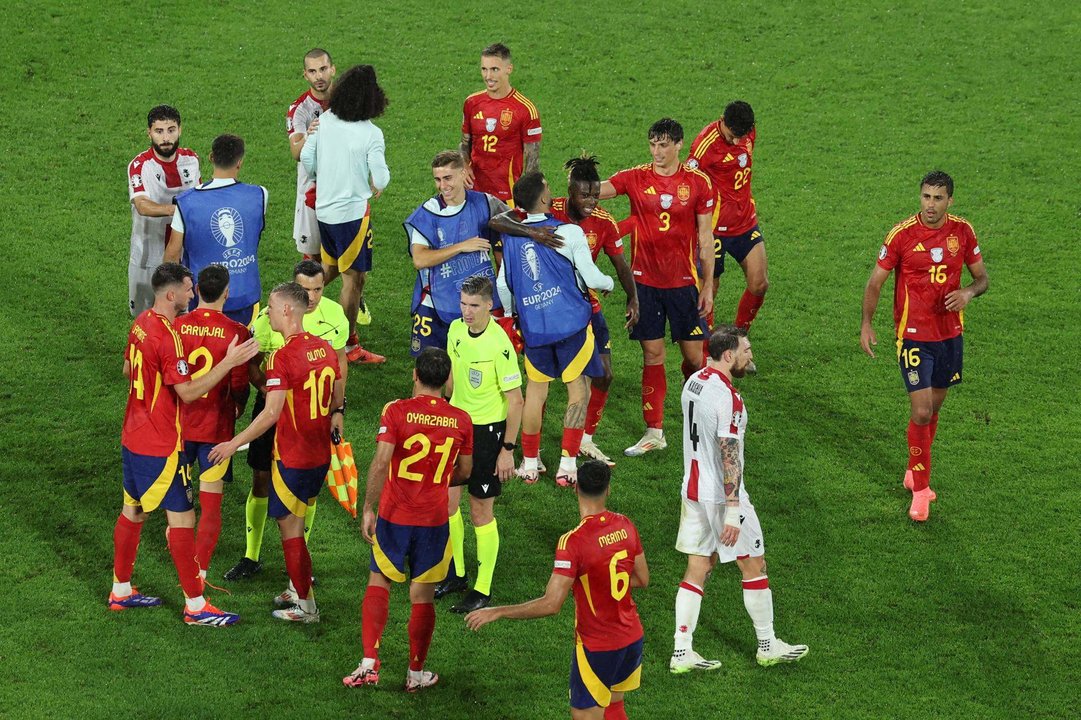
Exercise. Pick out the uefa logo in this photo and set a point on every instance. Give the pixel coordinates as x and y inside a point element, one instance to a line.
<point>227,226</point>
<point>531,265</point>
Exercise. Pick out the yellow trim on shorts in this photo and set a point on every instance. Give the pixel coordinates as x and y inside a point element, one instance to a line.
<point>533,373</point>
<point>254,314</point>
<point>129,500</point>
<point>631,683</point>
<point>574,370</point>
<point>385,565</point>
<point>156,492</point>
<point>345,261</point>
<point>215,473</point>
<point>596,688</point>
<point>438,572</point>
<point>291,502</point>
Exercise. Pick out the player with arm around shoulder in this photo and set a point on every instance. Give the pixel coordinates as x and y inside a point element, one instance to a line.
<point>928,252</point>
<point>155,474</point>
<point>602,560</point>
<point>717,520</point>
<point>424,445</point>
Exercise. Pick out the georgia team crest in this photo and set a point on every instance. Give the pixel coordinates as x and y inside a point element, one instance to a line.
<point>506,117</point>
<point>953,244</point>
<point>666,200</point>
<point>742,159</point>
<point>227,226</point>
<point>936,255</point>
<point>489,124</point>
<point>684,193</point>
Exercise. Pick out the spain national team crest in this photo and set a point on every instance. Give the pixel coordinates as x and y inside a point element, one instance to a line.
<point>953,244</point>
<point>666,201</point>
<point>684,193</point>
<point>742,159</point>
<point>936,255</point>
<point>506,117</point>
<point>591,237</point>
<point>913,377</point>
<point>476,377</point>
<point>489,124</point>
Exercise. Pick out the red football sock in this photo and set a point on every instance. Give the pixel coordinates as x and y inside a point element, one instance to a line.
<point>421,627</point>
<point>934,426</point>
<point>572,441</point>
<point>373,618</point>
<point>615,711</point>
<point>597,400</point>
<point>298,563</point>
<point>919,455</point>
<point>530,445</point>
<point>182,548</point>
<point>206,538</point>
<point>654,388</point>
<point>125,546</point>
<point>748,308</point>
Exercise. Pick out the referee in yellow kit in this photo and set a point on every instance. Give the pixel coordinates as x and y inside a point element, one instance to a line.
<point>487,384</point>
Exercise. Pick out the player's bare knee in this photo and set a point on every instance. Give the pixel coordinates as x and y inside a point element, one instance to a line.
<point>758,285</point>
<point>421,593</point>
<point>481,511</point>
<point>921,414</point>
<point>184,519</point>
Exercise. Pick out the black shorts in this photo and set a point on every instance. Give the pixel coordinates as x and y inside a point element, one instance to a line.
<point>679,306</point>
<point>261,449</point>
<point>738,246</point>
<point>487,442</point>
<point>930,364</point>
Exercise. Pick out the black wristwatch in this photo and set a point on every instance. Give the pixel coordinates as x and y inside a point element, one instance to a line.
<point>510,446</point>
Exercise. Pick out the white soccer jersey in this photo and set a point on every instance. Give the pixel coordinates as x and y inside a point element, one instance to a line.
<point>161,182</point>
<point>300,115</point>
<point>712,409</point>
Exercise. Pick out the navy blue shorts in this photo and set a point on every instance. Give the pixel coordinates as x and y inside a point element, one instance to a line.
<point>151,482</point>
<point>596,675</point>
<point>677,306</point>
<point>198,452</point>
<point>429,330</point>
<point>426,551</point>
<point>738,246</point>
<point>348,245</point>
<point>935,364</point>
<point>245,315</point>
<point>568,359</point>
<point>293,489</point>
<point>601,336</point>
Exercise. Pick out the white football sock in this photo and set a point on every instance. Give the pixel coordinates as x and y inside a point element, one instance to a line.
<point>688,605</point>
<point>195,604</point>
<point>586,438</point>
<point>567,464</point>
<point>122,589</point>
<point>759,604</point>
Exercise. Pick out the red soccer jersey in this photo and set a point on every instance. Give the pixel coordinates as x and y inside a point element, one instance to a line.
<point>156,359</point>
<point>928,264</point>
<point>601,231</point>
<point>206,335</point>
<point>306,368</point>
<point>664,242</point>
<point>500,130</point>
<point>428,435</point>
<point>728,166</point>
<point>599,554</point>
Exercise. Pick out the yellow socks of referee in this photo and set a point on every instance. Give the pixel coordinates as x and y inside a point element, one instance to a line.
<point>309,519</point>
<point>457,542</point>
<point>487,552</point>
<point>255,514</point>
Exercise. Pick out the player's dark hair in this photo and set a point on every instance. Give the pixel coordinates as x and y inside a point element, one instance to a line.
<point>315,53</point>
<point>498,50</point>
<point>213,279</point>
<point>528,189</point>
<point>433,367</point>
<point>594,476</point>
<point>168,274</point>
<point>292,293</point>
<point>739,117</point>
<point>227,151</point>
<point>937,178</point>
<point>666,128</point>
<point>448,158</point>
<point>357,96</point>
<point>479,285</point>
<point>309,268</point>
<point>583,169</point>
<point>723,338</point>
<point>162,112</point>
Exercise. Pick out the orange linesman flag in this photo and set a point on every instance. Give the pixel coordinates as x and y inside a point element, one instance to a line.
<point>342,476</point>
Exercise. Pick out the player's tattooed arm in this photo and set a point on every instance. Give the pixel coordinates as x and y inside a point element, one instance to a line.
<point>532,156</point>
<point>733,470</point>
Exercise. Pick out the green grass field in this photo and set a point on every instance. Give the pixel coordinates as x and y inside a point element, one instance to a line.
<point>971,615</point>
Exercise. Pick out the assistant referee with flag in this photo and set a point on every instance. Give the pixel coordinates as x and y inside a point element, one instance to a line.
<point>487,384</point>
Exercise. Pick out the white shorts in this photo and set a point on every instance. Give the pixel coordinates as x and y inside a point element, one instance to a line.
<point>140,291</point>
<point>701,524</point>
<point>305,228</point>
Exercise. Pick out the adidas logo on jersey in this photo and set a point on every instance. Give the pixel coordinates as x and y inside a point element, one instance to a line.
<point>919,248</point>
<point>649,191</point>
<point>728,157</point>
<point>479,115</point>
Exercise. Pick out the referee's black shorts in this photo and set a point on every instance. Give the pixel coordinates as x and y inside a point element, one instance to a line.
<point>487,442</point>
<point>261,449</point>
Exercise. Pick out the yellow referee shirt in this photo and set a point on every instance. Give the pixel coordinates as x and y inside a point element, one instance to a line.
<point>483,367</point>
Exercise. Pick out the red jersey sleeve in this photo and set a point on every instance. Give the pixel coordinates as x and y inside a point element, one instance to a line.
<point>531,130</point>
<point>174,366</point>
<point>622,181</point>
<point>277,371</point>
<point>972,246</point>
<point>135,178</point>
<point>890,253</point>
<point>388,425</point>
<point>238,376</point>
<point>704,203</point>
<point>611,239</point>
<point>566,562</point>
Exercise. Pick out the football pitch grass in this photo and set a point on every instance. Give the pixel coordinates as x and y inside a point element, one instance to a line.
<point>973,614</point>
